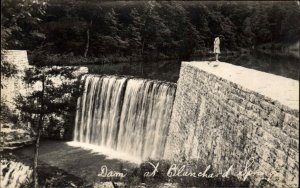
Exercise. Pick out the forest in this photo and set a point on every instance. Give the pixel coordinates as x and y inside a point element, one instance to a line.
<point>83,32</point>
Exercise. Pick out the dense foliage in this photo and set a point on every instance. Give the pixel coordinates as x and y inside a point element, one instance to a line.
<point>51,101</point>
<point>49,104</point>
<point>19,22</point>
<point>154,30</point>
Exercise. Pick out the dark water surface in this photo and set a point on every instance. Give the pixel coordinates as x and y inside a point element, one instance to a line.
<point>285,66</point>
<point>82,167</point>
<point>77,161</point>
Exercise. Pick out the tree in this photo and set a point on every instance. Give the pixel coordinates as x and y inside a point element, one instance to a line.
<point>7,69</point>
<point>190,40</point>
<point>112,37</point>
<point>50,100</point>
<point>89,12</point>
<point>290,28</point>
<point>134,32</point>
<point>154,31</point>
<point>247,37</point>
<point>183,38</point>
<point>19,18</point>
<point>122,30</point>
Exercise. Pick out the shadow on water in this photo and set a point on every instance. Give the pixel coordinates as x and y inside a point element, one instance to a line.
<point>76,161</point>
<point>159,70</point>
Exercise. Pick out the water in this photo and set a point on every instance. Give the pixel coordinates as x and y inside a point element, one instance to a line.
<point>278,64</point>
<point>124,117</point>
<point>274,62</point>
<point>14,174</point>
<point>155,70</point>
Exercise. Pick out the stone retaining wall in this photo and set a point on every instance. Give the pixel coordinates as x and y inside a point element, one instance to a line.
<point>222,123</point>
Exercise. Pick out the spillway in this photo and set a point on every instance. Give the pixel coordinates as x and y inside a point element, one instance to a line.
<point>125,116</point>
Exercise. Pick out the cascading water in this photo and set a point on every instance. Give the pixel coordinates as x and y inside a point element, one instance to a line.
<point>124,116</point>
<point>14,174</point>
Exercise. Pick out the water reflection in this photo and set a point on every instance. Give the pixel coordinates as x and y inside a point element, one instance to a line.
<point>282,65</point>
<point>286,66</point>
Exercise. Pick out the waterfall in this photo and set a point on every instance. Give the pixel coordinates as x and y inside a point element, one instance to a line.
<point>124,116</point>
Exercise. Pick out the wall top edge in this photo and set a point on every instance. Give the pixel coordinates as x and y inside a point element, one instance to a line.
<point>281,89</point>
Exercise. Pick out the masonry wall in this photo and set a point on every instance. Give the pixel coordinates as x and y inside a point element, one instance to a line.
<point>13,86</point>
<point>222,123</point>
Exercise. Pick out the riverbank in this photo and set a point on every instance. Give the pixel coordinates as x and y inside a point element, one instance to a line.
<point>13,137</point>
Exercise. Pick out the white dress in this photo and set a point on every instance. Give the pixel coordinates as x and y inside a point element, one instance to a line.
<point>217,45</point>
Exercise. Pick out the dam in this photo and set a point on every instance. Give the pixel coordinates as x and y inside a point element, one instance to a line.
<point>218,113</point>
<point>223,115</point>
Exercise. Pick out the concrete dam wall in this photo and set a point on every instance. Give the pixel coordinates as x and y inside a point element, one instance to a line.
<point>227,115</point>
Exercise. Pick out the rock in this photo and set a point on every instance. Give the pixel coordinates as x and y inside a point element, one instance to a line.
<point>14,138</point>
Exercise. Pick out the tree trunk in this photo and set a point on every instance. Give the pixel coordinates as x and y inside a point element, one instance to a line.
<point>87,40</point>
<point>141,54</point>
<point>141,68</point>
<point>142,50</point>
<point>87,43</point>
<point>36,154</point>
<point>37,143</point>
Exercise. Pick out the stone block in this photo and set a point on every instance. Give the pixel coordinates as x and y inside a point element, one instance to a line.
<point>239,121</point>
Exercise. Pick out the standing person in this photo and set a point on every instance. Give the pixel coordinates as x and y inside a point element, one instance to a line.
<point>217,48</point>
